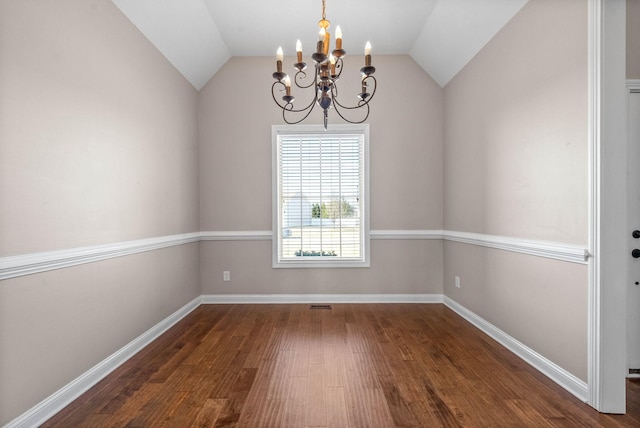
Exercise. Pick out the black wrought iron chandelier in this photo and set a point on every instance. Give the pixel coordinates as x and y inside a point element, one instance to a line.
<point>328,68</point>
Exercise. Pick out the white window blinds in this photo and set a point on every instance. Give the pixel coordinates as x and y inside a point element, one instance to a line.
<point>321,198</point>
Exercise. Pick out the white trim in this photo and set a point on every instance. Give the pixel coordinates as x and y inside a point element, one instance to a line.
<point>362,132</point>
<point>212,299</point>
<point>552,250</point>
<point>240,235</point>
<point>554,372</point>
<point>26,264</point>
<point>607,206</point>
<point>65,395</point>
<point>259,235</point>
<point>633,83</point>
<point>593,293</point>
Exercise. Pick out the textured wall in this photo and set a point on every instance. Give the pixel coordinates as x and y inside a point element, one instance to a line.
<point>98,144</point>
<point>236,115</point>
<point>516,165</point>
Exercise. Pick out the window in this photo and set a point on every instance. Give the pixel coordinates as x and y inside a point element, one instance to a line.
<point>320,191</point>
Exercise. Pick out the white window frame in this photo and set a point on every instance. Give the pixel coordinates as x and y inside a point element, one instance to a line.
<point>320,262</point>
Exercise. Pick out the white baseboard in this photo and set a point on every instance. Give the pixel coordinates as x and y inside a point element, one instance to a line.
<point>554,372</point>
<point>61,398</point>
<point>319,298</point>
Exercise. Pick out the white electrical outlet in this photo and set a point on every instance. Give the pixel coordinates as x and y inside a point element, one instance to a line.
<point>457,282</point>
<point>226,275</point>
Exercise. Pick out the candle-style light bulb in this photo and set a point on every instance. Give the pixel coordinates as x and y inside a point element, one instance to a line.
<point>320,46</point>
<point>367,55</point>
<point>332,64</point>
<point>338,38</point>
<point>287,86</point>
<point>278,75</point>
<point>299,50</point>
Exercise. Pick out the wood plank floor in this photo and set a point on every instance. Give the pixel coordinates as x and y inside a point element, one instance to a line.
<point>360,365</point>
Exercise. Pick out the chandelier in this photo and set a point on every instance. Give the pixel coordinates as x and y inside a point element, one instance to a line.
<point>328,68</point>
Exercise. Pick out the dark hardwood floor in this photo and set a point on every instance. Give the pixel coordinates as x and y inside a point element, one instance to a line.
<point>356,365</point>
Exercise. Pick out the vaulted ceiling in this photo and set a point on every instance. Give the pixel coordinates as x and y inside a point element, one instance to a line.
<point>199,36</point>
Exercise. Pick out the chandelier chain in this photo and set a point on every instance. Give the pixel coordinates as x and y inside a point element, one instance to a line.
<point>324,3</point>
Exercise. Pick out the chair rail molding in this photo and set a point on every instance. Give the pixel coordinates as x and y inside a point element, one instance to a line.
<point>551,250</point>
<point>26,264</point>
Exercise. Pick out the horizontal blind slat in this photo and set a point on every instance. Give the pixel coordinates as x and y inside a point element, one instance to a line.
<point>320,180</point>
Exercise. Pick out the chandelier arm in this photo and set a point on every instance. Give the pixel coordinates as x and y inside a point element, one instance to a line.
<point>297,80</point>
<point>273,94</point>
<point>375,86</point>
<point>351,108</point>
<point>310,108</point>
<point>312,104</point>
<point>361,103</point>
<point>289,106</point>
<point>339,68</point>
<point>334,91</point>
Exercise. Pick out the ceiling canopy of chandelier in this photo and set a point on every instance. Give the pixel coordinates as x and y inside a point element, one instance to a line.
<point>328,68</point>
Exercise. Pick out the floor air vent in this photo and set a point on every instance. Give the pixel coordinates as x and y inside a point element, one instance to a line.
<point>320,307</point>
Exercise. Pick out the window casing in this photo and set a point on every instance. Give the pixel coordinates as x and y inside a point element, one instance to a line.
<point>320,196</point>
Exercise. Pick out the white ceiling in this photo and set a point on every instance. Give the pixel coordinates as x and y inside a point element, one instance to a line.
<point>199,36</point>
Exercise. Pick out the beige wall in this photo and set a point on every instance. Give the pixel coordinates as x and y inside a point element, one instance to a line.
<point>101,140</point>
<point>515,129</point>
<point>633,39</point>
<point>98,144</point>
<point>516,165</point>
<point>397,267</point>
<point>98,133</point>
<point>57,325</point>
<point>236,115</point>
